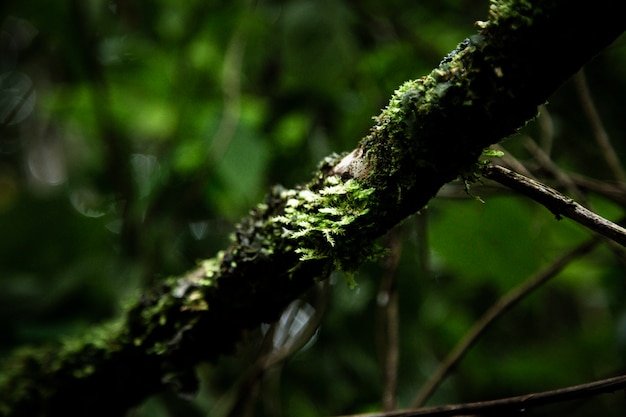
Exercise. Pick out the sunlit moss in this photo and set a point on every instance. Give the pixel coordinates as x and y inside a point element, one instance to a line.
<point>211,268</point>
<point>314,220</point>
<point>195,301</point>
<point>517,12</point>
<point>394,111</point>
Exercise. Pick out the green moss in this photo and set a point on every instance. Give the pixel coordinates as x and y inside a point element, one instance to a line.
<point>211,269</point>
<point>158,348</point>
<point>395,110</point>
<point>474,174</point>
<point>313,220</point>
<point>156,311</point>
<point>516,13</point>
<point>195,301</point>
<point>85,371</point>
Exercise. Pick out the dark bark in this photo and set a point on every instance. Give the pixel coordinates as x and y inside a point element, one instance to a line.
<point>433,130</point>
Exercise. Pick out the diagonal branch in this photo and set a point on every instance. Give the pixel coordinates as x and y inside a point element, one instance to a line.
<point>599,131</point>
<point>556,202</point>
<point>513,405</point>
<point>504,304</point>
<point>433,130</point>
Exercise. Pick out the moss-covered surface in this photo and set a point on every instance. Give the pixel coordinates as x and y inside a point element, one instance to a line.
<point>433,130</point>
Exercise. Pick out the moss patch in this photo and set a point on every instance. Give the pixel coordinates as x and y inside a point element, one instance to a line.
<point>313,220</point>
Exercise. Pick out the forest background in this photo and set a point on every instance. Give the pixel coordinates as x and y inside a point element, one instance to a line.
<point>134,136</point>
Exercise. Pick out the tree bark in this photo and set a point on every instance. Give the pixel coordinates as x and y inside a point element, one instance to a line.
<point>433,131</point>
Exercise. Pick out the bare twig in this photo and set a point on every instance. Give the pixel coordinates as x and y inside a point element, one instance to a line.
<point>556,202</point>
<point>599,132</point>
<point>548,164</point>
<point>506,406</point>
<point>231,90</point>
<point>569,182</point>
<point>546,125</point>
<point>388,313</point>
<point>509,160</point>
<point>504,304</point>
<point>423,248</point>
<point>610,190</point>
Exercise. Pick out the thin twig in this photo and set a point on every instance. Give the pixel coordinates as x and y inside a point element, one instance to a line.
<point>610,190</point>
<point>506,406</point>
<point>548,164</point>
<point>388,327</point>
<point>504,304</point>
<point>231,90</point>
<point>392,353</point>
<point>568,181</point>
<point>423,247</point>
<point>509,160</point>
<point>546,126</point>
<point>556,202</point>
<point>599,132</point>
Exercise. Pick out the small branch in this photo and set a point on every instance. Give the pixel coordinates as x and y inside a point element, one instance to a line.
<point>513,404</point>
<point>423,246</point>
<point>556,202</point>
<point>505,303</point>
<point>509,160</point>
<point>548,164</point>
<point>231,90</point>
<point>546,126</point>
<point>599,132</point>
<point>611,191</point>
<point>569,183</point>
<point>388,315</point>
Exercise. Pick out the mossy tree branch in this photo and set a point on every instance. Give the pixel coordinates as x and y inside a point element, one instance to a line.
<point>433,130</point>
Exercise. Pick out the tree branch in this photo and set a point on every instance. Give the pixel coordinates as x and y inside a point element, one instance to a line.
<point>556,202</point>
<point>509,406</point>
<point>504,304</point>
<point>388,328</point>
<point>599,132</point>
<point>433,130</point>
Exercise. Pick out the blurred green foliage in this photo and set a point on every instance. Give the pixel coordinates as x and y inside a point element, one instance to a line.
<point>134,134</point>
